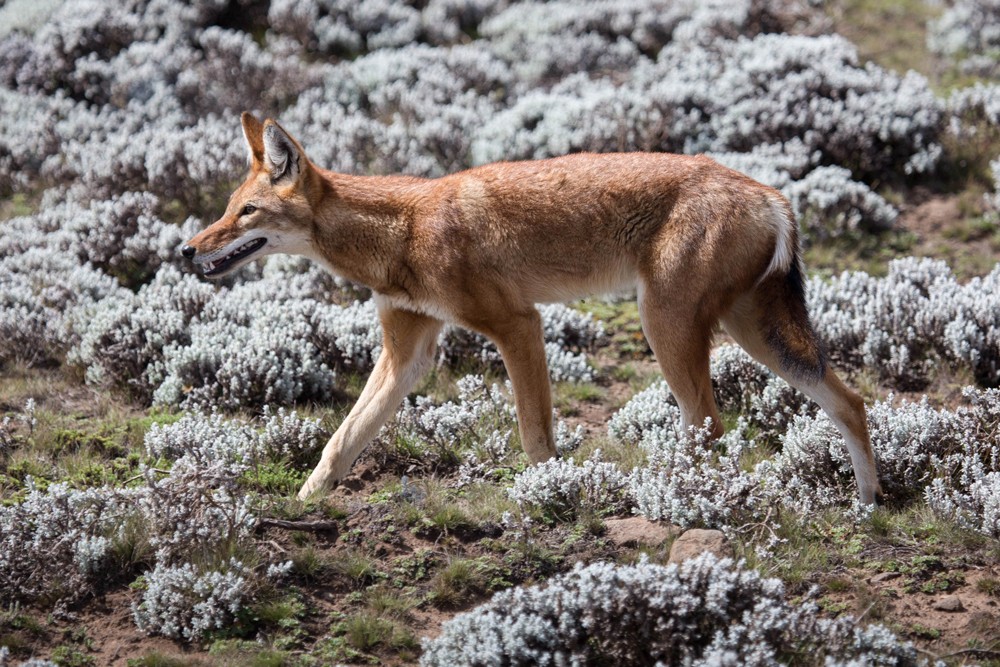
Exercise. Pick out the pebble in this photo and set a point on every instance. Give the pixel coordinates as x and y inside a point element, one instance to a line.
<point>636,530</point>
<point>697,541</point>
<point>949,603</point>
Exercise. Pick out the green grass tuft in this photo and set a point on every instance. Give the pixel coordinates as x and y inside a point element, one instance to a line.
<point>990,586</point>
<point>157,659</point>
<point>274,477</point>
<point>366,633</point>
<point>356,566</point>
<point>384,601</point>
<point>459,582</point>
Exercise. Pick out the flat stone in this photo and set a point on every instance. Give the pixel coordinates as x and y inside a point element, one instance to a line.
<point>884,576</point>
<point>696,541</point>
<point>635,531</point>
<point>949,603</point>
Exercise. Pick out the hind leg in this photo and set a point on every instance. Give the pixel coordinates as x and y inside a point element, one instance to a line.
<point>681,342</point>
<point>846,409</point>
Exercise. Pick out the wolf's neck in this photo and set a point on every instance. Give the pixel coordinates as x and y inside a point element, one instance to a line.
<point>362,225</point>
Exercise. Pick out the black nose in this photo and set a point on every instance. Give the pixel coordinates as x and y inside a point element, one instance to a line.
<point>188,251</point>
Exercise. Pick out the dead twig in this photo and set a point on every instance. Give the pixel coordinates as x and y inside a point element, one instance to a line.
<point>280,549</point>
<point>306,526</point>
<point>143,474</point>
<point>976,652</point>
<point>857,621</point>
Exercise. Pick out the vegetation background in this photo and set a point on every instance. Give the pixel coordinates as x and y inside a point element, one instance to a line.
<point>155,426</point>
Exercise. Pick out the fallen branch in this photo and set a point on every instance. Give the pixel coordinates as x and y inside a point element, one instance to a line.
<point>976,652</point>
<point>308,526</point>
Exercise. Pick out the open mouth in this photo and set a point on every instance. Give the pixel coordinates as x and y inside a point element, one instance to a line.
<point>223,264</point>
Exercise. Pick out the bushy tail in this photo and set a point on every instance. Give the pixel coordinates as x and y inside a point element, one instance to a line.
<point>786,240</point>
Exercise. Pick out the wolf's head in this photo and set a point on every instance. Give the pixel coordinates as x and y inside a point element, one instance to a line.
<point>270,212</point>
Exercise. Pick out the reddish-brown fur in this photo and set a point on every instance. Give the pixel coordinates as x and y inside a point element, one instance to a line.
<point>704,244</point>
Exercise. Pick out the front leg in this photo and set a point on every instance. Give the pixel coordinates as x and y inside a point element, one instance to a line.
<point>408,344</point>
<point>522,346</point>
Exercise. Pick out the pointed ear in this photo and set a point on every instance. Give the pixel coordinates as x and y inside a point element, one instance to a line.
<point>253,132</point>
<point>283,157</point>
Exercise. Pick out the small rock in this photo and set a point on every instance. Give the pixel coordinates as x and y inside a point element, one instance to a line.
<point>352,483</point>
<point>696,541</point>
<point>636,530</point>
<point>949,603</point>
<point>883,576</point>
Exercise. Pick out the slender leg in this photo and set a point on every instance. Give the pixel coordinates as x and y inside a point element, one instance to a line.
<point>682,345</point>
<point>844,407</point>
<point>408,344</point>
<point>847,411</point>
<point>523,350</point>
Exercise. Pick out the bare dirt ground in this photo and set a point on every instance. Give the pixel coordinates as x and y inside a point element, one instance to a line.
<point>943,230</point>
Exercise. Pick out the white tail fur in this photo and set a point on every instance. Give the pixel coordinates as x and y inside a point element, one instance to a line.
<point>785,244</point>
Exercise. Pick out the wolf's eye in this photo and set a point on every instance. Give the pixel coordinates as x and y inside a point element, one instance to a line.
<point>248,209</point>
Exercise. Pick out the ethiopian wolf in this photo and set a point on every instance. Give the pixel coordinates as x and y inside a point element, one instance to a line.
<point>702,244</point>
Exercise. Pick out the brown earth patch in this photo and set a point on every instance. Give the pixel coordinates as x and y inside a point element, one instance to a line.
<point>947,227</point>
<point>911,613</point>
<point>933,216</point>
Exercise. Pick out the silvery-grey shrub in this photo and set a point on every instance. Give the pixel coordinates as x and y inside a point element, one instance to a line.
<point>198,507</point>
<point>39,290</point>
<point>5,660</point>
<point>948,456</point>
<point>916,316</point>
<point>227,364</point>
<point>562,486</point>
<point>969,31</point>
<point>200,440</point>
<point>732,96</point>
<point>123,339</point>
<point>340,26</point>
<point>122,235</point>
<point>55,543</point>
<point>29,138</point>
<point>481,419</point>
<point>185,601</point>
<point>976,506</point>
<point>569,334</point>
<point>704,612</point>
<point>828,203</point>
<point>122,106</point>
<point>968,487</point>
<point>413,109</point>
<point>60,544</point>
<point>181,341</point>
<point>689,480</point>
